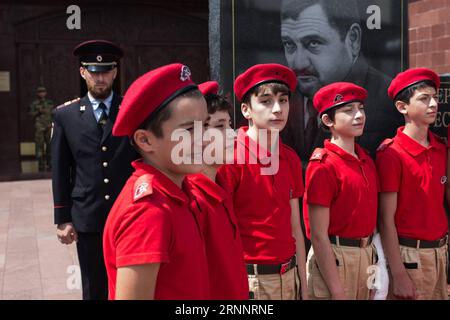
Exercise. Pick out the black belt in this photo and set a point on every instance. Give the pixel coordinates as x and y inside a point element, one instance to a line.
<point>422,244</point>
<point>271,268</point>
<point>348,242</point>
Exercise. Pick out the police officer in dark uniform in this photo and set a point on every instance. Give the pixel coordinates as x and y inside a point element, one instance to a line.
<point>90,166</point>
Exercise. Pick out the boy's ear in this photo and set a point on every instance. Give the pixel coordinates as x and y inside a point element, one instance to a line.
<point>144,140</point>
<point>245,109</point>
<point>401,107</point>
<point>326,120</point>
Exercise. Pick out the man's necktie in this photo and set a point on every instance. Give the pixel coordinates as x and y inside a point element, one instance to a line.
<point>104,115</point>
<point>312,127</point>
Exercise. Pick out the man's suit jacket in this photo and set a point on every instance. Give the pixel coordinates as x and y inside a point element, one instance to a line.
<point>382,118</point>
<point>89,165</point>
<point>294,132</point>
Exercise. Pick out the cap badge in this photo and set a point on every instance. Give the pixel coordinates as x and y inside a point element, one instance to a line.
<point>185,73</point>
<point>338,98</point>
<point>99,58</point>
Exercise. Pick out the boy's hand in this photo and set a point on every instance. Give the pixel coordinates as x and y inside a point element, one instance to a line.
<point>339,296</point>
<point>305,296</point>
<point>403,287</point>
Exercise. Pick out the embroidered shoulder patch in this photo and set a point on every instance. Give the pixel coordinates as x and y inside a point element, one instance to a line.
<point>142,187</point>
<point>440,139</point>
<point>318,154</point>
<point>385,144</point>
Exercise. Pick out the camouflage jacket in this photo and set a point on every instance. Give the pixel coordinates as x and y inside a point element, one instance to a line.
<point>41,110</point>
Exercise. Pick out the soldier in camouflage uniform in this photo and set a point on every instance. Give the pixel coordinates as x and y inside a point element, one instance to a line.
<point>41,109</point>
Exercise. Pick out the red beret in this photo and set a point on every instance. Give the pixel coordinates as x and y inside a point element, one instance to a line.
<point>209,87</point>
<point>149,94</point>
<point>264,73</point>
<point>338,94</point>
<point>410,77</point>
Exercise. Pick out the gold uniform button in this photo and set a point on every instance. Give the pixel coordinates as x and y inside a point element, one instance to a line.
<point>105,164</point>
<point>107,197</point>
<point>106,180</point>
<point>104,148</point>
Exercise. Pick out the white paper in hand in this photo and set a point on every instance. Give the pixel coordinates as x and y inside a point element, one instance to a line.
<point>382,278</point>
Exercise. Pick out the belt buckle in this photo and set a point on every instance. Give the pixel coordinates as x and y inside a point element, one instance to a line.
<point>363,242</point>
<point>284,267</point>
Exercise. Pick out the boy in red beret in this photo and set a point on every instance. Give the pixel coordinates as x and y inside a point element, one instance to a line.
<point>213,206</point>
<point>266,183</point>
<point>340,203</point>
<point>153,247</point>
<point>412,173</point>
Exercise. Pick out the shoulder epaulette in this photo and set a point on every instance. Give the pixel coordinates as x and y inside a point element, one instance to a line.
<point>318,154</point>
<point>386,143</point>
<point>65,104</point>
<point>142,187</point>
<point>440,139</point>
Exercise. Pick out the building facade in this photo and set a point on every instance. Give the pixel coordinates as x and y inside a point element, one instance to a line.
<point>36,49</point>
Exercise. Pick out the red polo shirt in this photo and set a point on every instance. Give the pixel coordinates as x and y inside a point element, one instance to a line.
<point>418,175</point>
<point>150,223</point>
<point>261,201</point>
<point>347,185</point>
<point>214,210</point>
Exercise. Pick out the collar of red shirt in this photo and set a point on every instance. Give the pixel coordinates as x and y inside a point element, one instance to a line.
<point>362,155</point>
<point>412,146</point>
<point>209,188</point>
<point>159,181</point>
<point>251,146</point>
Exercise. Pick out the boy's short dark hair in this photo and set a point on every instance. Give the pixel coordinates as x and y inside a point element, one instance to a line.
<point>154,122</point>
<point>216,102</point>
<point>406,95</point>
<point>275,87</point>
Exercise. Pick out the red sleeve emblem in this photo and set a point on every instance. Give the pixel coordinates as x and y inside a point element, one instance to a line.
<point>142,187</point>
<point>318,154</point>
<point>385,144</point>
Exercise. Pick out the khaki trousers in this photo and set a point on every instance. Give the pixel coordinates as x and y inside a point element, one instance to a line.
<point>354,268</point>
<point>427,269</point>
<point>275,286</point>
